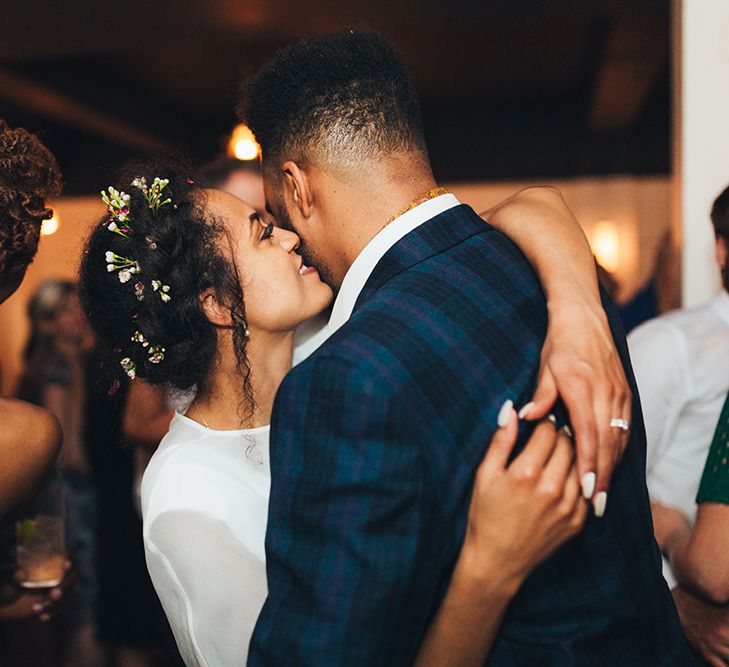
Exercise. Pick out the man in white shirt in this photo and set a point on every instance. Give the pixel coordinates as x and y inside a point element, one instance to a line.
<point>681,363</point>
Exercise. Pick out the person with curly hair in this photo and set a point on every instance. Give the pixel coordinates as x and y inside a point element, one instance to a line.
<point>30,438</point>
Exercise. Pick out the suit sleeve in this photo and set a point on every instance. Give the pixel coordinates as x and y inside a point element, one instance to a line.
<point>348,509</point>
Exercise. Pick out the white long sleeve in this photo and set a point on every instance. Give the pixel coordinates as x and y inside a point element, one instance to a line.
<point>205,503</point>
<point>211,587</point>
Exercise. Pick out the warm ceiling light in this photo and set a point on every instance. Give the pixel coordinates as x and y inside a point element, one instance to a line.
<point>605,243</point>
<point>243,144</point>
<point>50,226</point>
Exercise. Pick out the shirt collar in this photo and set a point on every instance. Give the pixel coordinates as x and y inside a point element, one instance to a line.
<point>362,267</point>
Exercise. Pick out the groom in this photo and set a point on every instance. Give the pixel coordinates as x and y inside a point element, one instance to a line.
<point>375,438</point>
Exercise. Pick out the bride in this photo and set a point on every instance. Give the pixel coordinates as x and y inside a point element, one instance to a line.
<point>194,290</point>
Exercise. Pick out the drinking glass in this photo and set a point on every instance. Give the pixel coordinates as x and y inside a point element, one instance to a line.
<point>40,544</point>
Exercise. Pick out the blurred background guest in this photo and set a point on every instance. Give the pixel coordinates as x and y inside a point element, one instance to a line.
<point>54,378</point>
<point>681,363</point>
<point>29,175</point>
<point>241,178</point>
<point>30,437</point>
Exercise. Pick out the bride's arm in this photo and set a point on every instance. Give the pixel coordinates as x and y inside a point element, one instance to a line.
<point>579,359</point>
<point>519,514</point>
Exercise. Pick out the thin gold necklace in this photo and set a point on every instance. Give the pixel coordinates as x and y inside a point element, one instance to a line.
<point>425,196</point>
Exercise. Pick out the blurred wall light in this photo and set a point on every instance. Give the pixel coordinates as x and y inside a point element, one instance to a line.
<point>243,144</point>
<point>50,226</point>
<point>605,242</point>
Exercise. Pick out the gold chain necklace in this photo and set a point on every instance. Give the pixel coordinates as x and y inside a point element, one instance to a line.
<point>426,196</point>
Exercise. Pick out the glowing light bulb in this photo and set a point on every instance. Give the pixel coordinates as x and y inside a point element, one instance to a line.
<point>605,243</point>
<point>243,144</point>
<point>50,226</point>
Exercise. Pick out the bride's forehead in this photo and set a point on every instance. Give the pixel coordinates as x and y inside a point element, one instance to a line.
<point>226,205</point>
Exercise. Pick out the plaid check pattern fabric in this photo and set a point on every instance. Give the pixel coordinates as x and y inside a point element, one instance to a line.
<point>374,443</point>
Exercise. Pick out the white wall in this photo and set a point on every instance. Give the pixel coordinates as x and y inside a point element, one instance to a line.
<point>701,70</point>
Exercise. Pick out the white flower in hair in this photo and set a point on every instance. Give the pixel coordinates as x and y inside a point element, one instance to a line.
<point>130,368</point>
<point>156,354</point>
<point>163,290</point>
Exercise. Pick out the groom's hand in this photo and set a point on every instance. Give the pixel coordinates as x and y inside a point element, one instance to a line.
<point>580,365</point>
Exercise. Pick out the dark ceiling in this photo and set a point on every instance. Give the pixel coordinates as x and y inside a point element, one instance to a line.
<point>510,88</point>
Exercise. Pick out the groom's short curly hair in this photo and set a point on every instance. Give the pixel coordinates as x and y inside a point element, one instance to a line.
<point>336,99</point>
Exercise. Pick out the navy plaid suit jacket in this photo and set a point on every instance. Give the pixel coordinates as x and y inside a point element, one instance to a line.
<point>374,442</point>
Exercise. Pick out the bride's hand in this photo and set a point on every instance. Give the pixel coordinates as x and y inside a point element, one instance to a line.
<point>580,364</point>
<point>521,512</point>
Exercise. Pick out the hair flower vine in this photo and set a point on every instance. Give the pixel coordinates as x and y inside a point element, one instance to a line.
<point>162,290</point>
<point>156,354</point>
<point>153,193</point>
<point>125,265</point>
<point>130,368</point>
<point>117,203</point>
<point>138,337</point>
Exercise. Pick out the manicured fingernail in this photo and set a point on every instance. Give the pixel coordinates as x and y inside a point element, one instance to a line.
<point>600,503</point>
<point>588,485</point>
<point>37,607</point>
<point>505,413</point>
<point>566,428</point>
<point>552,418</point>
<point>526,410</point>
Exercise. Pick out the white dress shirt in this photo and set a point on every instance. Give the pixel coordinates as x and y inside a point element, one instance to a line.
<point>681,364</point>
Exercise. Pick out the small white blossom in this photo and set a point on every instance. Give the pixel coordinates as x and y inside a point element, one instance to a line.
<point>156,354</point>
<point>129,367</point>
<point>109,256</point>
<point>110,268</point>
<point>125,275</point>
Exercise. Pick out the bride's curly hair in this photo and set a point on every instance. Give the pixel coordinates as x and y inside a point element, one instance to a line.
<point>183,247</point>
<point>29,176</point>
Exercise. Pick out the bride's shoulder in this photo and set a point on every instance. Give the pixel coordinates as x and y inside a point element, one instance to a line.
<point>184,474</point>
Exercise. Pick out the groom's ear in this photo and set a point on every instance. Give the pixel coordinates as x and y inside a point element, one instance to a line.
<point>298,187</point>
<point>216,312</point>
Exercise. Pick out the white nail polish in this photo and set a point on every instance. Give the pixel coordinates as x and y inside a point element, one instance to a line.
<point>552,418</point>
<point>526,410</point>
<point>588,485</point>
<point>568,430</point>
<point>505,413</point>
<point>600,503</point>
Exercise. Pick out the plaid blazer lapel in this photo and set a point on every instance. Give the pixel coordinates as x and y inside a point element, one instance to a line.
<point>431,238</point>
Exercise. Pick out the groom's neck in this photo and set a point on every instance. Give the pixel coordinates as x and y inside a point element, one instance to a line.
<point>361,208</point>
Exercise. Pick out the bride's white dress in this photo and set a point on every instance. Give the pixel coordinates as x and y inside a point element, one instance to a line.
<point>205,504</point>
